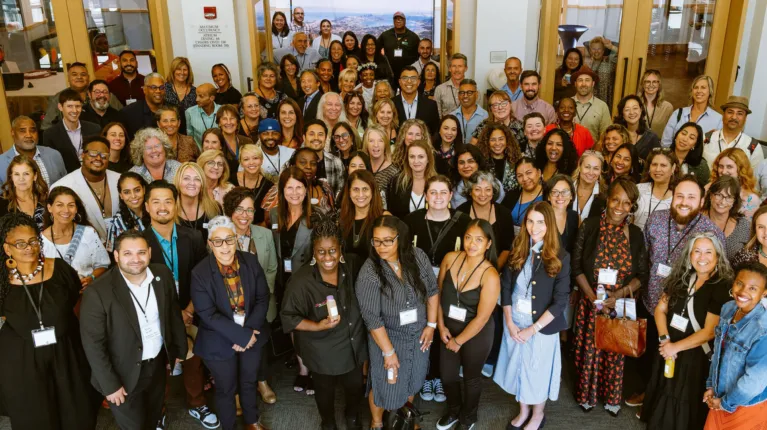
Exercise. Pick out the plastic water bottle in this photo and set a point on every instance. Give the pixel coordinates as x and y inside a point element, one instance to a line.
<point>332,307</point>
<point>601,296</point>
<point>390,375</point>
<point>668,369</point>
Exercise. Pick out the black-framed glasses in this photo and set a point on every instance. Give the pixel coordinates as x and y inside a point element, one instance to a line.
<point>218,242</point>
<point>23,245</point>
<point>156,87</point>
<point>239,210</point>
<point>724,199</point>
<point>102,155</point>
<point>466,93</point>
<point>340,137</point>
<point>385,242</point>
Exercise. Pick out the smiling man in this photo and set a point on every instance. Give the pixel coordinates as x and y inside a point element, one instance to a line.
<point>203,116</point>
<point>470,114</point>
<point>140,115</point>
<point>400,44</point>
<point>307,57</point>
<point>329,166</point>
<point>97,110</point>
<point>734,114</point>
<point>590,112</point>
<point>275,153</point>
<point>128,87</point>
<point>67,135</point>
<point>410,104</point>
<point>95,185</point>
<point>25,138</point>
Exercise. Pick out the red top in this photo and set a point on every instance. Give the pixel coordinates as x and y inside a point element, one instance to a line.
<point>581,137</point>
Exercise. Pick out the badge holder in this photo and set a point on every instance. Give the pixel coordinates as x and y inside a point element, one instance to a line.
<point>408,317</point>
<point>239,318</point>
<point>43,336</point>
<point>457,313</point>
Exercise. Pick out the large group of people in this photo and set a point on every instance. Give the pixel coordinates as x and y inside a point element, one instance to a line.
<point>388,230</point>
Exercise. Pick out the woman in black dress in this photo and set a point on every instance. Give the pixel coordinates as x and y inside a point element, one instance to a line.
<point>25,190</point>
<point>699,282</point>
<point>48,386</point>
<point>250,177</point>
<point>361,204</point>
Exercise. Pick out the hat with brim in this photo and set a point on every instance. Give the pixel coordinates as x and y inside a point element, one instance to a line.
<point>584,71</point>
<point>736,102</point>
<point>399,14</point>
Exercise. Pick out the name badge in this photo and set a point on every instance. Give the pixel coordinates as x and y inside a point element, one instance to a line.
<point>177,290</point>
<point>129,101</point>
<point>679,322</point>
<point>150,331</point>
<point>397,52</point>
<point>288,265</point>
<point>663,270</point>
<point>436,270</point>
<point>315,201</point>
<point>44,336</point>
<point>608,276</point>
<point>517,229</point>
<point>239,319</point>
<point>408,317</point>
<point>205,225</point>
<point>456,313</point>
<point>525,306</point>
<point>275,226</point>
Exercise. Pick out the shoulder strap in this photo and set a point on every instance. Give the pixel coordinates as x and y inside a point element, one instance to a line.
<point>694,321</point>
<point>678,115</point>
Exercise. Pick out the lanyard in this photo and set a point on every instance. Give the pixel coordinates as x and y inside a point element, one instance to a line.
<point>580,117</point>
<point>691,291</point>
<point>202,118</point>
<point>519,203</point>
<point>721,137</point>
<point>302,62</point>
<point>146,304</point>
<point>536,266</point>
<point>464,123</point>
<point>277,167</point>
<point>417,205</point>
<point>169,258</point>
<point>38,308</point>
<point>452,93</point>
<point>685,232</point>
<point>649,122</point>
<point>196,216</point>
<point>649,203</point>
<point>489,215</point>
<point>101,202</point>
<point>440,236</point>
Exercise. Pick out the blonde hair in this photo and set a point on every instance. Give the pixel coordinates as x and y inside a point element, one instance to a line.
<point>745,171</point>
<point>175,64</point>
<point>209,206</point>
<point>601,180</point>
<point>377,108</point>
<point>373,127</point>
<point>250,148</point>
<point>406,177</point>
<point>348,74</point>
<point>398,157</point>
<point>710,88</point>
<point>211,155</point>
<point>600,145</point>
<point>640,91</point>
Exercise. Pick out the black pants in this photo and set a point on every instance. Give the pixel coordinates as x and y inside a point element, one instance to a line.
<point>497,317</point>
<point>645,362</point>
<point>143,405</point>
<point>434,359</point>
<point>471,356</point>
<point>325,394</point>
<point>263,368</point>
<point>236,374</point>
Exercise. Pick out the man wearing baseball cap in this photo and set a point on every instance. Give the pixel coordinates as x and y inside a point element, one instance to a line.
<point>400,45</point>
<point>734,114</point>
<point>275,154</point>
<point>590,112</point>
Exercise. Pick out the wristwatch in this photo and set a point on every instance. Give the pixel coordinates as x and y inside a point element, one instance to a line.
<point>663,337</point>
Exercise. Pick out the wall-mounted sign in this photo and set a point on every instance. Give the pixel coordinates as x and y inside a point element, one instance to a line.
<point>211,37</point>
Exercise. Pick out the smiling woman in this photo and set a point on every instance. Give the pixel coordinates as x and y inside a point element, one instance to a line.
<point>152,155</point>
<point>25,190</point>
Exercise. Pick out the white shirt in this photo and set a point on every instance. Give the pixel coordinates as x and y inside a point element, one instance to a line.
<point>89,256</point>
<point>410,109</point>
<point>272,163</point>
<point>76,181</point>
<point>587,207</point>
<point>417,201</point>
<point>149,317</point>
<point>648,203</point>
<point>717,144</point>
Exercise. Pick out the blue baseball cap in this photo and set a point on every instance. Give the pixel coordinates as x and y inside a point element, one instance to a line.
<point>269,124</point>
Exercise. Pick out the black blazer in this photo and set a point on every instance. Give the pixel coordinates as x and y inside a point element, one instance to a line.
<point>111,333</point>
<point>586,249</point>
<point>57,138</point>
<point>218,331</point>
<point>546,293</point>
<point>398,200</point>
<point>567,239</point>
<point>191,250</point>
<point>137,115</point>
<point>426,111</point>
<point>310,112</point>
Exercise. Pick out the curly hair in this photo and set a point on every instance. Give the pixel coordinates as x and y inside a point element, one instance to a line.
<point>138,144</point>
<point>621,130</point>
<point>39,187</point>
<point>406,254</point>
<point>520,250</point>
<point>8,223</point>
<point>234,197</point>
<point>567,162</point>
<point>745,171</point>
<point>325,226</point>
<point>512,151</point>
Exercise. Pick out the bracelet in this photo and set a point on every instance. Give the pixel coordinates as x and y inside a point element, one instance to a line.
<point>93,278</point>
<point>456,341</point>
<point>431,324</point>
<point>538,327</point>
<point>388,354</point>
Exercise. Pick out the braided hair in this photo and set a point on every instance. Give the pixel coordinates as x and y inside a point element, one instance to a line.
<point>325,226</point>
<point>7,223</point>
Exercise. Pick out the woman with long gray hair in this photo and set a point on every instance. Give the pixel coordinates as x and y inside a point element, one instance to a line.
<point>686,316</point>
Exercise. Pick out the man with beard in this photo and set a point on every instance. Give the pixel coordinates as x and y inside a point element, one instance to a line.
<point>307,57</point>
<point>139,115</point>
<point>666,234</point>
<point>128,87</point>
<point>512,68</point>
<point>95,185</point>
<point>590,112</point>
<point>446,93</point>
<point>425,50</point>
<point>469,113</point>
<point>24,134</point>
<point>67,135</point>
<point>734,114</point>
<point>202,116</point>
<point>179,248</point>
<point>97,110</point>
<point>329,167</point>
<point>530,82</point>
<point>410,106</point>
<point>131,327</point>
<point>275,154</point>
<point>78,79</point>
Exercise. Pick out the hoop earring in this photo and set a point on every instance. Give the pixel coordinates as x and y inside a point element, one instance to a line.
<point>313,261</point>
<point>10,263</point>
<point>730,292</point>
<point>342,260</point>
<point>78,218</point>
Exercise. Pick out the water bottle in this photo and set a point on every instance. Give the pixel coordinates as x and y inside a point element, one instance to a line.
<point>601,296</point>
<point>332,307</point>
<point>390,375</point>
<point>668,369</point>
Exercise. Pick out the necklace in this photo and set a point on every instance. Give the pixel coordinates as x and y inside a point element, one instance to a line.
<point>395,265</point>
<point>761,252</point>
<point>28,278</point>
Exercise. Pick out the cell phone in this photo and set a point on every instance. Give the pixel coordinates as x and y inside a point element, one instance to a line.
<point>567,78</point>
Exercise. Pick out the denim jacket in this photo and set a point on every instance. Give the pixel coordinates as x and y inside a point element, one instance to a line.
<point>738,374</point>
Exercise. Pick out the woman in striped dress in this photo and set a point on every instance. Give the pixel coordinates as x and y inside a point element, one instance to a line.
<point>398,297</point>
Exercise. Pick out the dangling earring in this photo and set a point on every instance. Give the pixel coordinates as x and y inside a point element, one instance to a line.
<point>313,261</point>
<point>10,263</point>
<point>730,292</point>
<point>342,260</point>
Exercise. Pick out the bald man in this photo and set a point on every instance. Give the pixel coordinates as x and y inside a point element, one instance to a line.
<point>25,142</point>
<point>203,116</point>
<point>140,114</point>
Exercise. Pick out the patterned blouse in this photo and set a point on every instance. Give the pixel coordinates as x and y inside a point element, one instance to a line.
<point>171,98</point>
<point>516,126</point>
<point>613,251</point>
<point>231,275</point>
<point>270,105</point>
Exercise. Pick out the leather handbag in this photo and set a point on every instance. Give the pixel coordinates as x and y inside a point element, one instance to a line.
<point>621,335</point>
<point>405,418</point>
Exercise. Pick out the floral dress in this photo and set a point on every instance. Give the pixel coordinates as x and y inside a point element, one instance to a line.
<point>600,373</point>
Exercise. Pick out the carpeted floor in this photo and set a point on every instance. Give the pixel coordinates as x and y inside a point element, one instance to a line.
<point>294,411</point>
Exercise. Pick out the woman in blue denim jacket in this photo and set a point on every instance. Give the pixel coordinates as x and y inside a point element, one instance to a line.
<point>737,381</point>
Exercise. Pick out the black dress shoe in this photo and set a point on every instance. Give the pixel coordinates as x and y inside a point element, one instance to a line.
<point>511,426</point>
<point>353,424</point>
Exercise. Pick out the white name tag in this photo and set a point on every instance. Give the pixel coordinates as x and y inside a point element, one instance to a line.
<point>151,331</point>
<point>608,276</point>
<point>436,270</point>
<point>239,319</point>
<point>205,225</point>
<point>631,308</point>
<point>397,52</point>
<point>525,306</point>
<point>315,201</point>
<point>679,322</point>
<point>129,101</point>
<point>275,226</point>
<point>288,265</point>
<point>663,270</point>
<point>44,337</point>
<point>408,317</point>
<point>456,313</point>
<point>177,290</point>
<point>517,230</point>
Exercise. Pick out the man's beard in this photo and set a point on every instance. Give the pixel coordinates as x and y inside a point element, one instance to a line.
<point>530,98</point>
<point>682,219</point>
<point>100,105</point>
<point>132,271</point>
<point>129,69</point>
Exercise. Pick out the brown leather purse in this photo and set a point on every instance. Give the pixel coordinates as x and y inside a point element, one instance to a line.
<point>621,335</point>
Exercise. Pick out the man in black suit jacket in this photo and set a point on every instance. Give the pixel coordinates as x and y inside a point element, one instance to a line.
<point>131,327</point>
<point>179,248</point>
<point>425,109</point>
<point>310,84</point>
<point>67,135</point>
<point>140,114</point>
<point>96,108</point>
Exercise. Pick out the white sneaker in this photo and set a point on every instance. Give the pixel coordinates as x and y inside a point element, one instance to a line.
<point>427,392</point>
<point>207,418</point>
<point>439,393</point>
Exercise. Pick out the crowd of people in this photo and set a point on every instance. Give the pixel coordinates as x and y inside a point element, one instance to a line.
<point>396,237</point>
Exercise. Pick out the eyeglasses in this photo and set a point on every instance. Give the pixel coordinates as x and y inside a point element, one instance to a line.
<point>24,245</point>
<point>499,105</point>
<point>239,210</point>
<point>725,199</point>
<point>218,242</point>
<point>156,87</point>
<point>94,154</point>
<point>340,137</point>
<point>385,242</point>
<point>466,93</point>
<point>151,148</point>
<point>557,193</point>
<point>212,163</point>
<point>101,92</point>
<point>409,78</point>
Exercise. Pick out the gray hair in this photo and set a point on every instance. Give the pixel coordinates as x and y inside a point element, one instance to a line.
<point>268,66</point>
<point>221,221</point>
<point>479,176</point>
<point>138,144</point>
<point>467,81</point>
<point>19,119</point>
<point>321,106</point>
<point>154,75</point>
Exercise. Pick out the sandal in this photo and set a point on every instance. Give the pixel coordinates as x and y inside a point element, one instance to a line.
<point>310,386</point>
<point>300,383</point>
